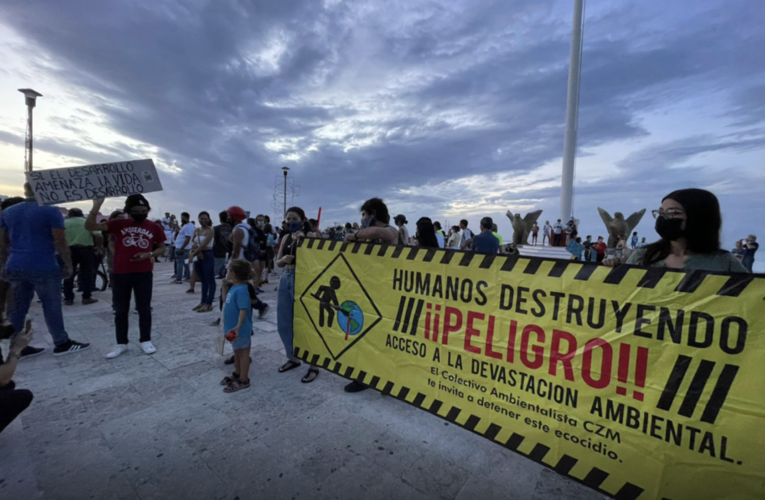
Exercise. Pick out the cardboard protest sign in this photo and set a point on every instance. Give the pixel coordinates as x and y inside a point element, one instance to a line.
<point>107,180</point>
<point>641,383</point>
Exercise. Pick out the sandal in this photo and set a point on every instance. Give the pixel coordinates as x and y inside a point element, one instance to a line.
<point>198,306</point>
<point>308,378</point>
<point>227,380</point>
<point>289,365</point>
<point>190,290</point>
<point>236,385</point>
<point>205,308</point>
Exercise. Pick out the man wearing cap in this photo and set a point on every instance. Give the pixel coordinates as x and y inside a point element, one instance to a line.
<point>30,236</point>
<point>82,245</point>
<point>403,231</point>
<point>134,239</point>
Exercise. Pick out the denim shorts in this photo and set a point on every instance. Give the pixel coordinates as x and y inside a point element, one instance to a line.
<point>242,341</point>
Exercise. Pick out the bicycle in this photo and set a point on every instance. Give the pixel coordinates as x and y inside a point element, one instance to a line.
<point>100,276</point>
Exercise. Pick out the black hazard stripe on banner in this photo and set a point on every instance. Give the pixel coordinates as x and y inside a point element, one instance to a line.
<point>649,277</point>
<point>594,478</point>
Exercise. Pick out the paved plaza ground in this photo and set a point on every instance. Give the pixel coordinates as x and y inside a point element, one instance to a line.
<point>160,426</point>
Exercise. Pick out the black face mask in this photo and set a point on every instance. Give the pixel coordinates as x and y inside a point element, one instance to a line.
<point>669,229</point>
<point>139,217</point>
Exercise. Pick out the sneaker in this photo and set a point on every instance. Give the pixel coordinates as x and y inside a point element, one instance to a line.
<point>148,347</point>
<point>69,302</point>
<point>87,302</point>
<point>229,361</point>
<point>215,322</point>
<point>356,386</point>
<point>70,347</point>
<point>176,282</point>
<point>31,352</point>
<point>117,351</point>
<point>263,311</point>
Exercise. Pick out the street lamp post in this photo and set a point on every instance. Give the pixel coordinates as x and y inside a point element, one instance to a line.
<point>31,100</point>
<point>285,170</point>
<point>572,115</point>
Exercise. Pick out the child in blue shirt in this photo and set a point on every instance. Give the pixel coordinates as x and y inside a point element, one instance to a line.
<point>237,318</point>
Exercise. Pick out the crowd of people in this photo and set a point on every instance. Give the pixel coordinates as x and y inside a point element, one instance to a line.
<point>39,251</point>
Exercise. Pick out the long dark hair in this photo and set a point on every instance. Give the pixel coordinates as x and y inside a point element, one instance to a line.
<point>702,227</point>
<point>298,211</point>
<point>426,233</point>
<point>199,216</point>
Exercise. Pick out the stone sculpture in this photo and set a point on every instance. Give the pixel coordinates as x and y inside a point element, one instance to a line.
<point>522,227</point>
<point>617,225</point>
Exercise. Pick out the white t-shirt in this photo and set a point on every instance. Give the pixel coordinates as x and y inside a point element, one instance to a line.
<point>558,227</point>
<point>454,241</point>
<point>546,229</point>
<point>467,234</point>
<point>166,223</point>
<point>186,230</point>
<point>405,234</point>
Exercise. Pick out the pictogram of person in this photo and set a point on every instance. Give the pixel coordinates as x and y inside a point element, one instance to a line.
<point>328,301</point>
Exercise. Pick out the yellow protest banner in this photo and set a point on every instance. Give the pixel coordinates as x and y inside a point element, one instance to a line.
<point>640,383</point>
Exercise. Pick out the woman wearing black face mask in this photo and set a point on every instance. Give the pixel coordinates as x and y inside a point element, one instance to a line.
<point>688,223</point>
<point>296,228</point>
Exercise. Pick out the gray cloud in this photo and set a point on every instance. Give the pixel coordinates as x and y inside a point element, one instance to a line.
<point>374,98</point>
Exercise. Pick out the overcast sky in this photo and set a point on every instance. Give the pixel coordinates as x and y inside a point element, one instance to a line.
<point>446,108</point>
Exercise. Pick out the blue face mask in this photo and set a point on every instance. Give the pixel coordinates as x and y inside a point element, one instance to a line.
<point>295,226</point>
<point>366,222</point>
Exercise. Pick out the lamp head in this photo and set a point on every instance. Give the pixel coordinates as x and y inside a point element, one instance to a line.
<point>31,96</point>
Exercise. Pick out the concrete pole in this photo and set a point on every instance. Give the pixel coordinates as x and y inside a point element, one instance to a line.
<point>284,212</point>
<point>572,116</point>
<point>29,124</point>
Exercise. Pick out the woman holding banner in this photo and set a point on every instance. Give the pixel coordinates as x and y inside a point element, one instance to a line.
<point>297,227</point>
<point>688,224</point>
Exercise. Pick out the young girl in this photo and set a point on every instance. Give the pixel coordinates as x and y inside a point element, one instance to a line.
<point>296,229</point>
<point>237,317</point>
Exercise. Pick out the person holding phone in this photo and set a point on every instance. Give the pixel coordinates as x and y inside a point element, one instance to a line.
<point>134,239</point>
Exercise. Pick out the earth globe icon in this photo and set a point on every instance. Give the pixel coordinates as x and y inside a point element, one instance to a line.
<point>350,318</point>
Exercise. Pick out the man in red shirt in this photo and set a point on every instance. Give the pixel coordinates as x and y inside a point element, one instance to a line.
<point>134,239</point>
<point>600,248</point>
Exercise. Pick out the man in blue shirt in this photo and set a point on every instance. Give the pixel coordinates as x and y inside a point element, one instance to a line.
<point>485,241</point>
<point>30,235</point>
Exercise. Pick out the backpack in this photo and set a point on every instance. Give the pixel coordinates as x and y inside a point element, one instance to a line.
<point>251,250</point>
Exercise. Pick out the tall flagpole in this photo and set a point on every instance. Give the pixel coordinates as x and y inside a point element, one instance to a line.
<point>572,116</point>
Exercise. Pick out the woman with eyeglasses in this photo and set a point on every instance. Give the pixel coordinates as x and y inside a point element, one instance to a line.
<point>688,224</point>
